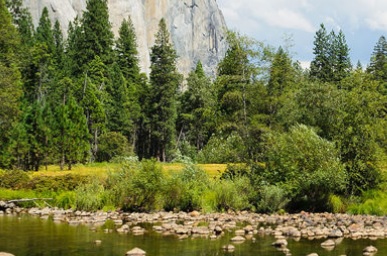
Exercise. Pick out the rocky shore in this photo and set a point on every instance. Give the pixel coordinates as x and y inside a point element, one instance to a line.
<point>245,225</point>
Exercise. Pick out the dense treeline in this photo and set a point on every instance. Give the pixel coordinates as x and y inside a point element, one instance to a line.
<point>307,133</point>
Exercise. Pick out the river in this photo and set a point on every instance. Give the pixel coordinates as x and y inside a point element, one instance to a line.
<point>32,236</point>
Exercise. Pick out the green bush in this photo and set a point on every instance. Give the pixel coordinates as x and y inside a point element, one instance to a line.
<point>373,202</point>
<point>306,166</point>
<point>68,182</point>
<point>233,194</point>
<point>90,196</point>
<point>14,179</point>
<point>271,199</point>
<point>220,150</point>
<point>66,200</point>
<point>111,145</point>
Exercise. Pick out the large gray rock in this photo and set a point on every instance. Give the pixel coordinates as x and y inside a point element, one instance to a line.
<point>197,27</point>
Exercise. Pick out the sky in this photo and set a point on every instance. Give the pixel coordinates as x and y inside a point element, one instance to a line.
<point>275,21</point>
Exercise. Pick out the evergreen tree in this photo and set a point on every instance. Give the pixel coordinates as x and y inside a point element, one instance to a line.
<point>10,82</point>
<point>44,34</point>
<point>234,73</point>
<point>126,51</point>
<point>71,135</point>
<point>58,40</point>
<point>98,36</point>
<point>341,61</point>
<point>198,107</point>
<point>23,21</point>
<point>282,78</point>
<point>164,80</point>
<point>378,62</point>
<point>320,67</point>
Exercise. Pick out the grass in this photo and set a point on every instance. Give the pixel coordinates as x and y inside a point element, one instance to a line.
<point>101,169</point>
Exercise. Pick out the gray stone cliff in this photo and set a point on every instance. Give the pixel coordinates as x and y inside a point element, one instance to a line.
<point>197,27</point>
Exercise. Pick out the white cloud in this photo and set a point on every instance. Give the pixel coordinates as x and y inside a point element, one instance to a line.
<point>288,19</point>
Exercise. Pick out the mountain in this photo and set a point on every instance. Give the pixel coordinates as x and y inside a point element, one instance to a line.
<point>197,27</point>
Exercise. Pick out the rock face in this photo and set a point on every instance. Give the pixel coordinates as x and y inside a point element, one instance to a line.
<point>197,27</point>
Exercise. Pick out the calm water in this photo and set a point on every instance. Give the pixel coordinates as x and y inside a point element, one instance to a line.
<point>33,236</point>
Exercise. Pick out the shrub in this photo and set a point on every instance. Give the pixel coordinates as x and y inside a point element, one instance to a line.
<point>66,200</point>
<point>220,149</point>
<point>233,194</point>
<point>272,199</point>
<point>14,179</point>
<point>306,166</point>
<point>90,196</point>
<point>68,182</point>
<point>113,144</point>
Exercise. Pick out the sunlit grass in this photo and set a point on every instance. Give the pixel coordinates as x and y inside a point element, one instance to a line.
<point>102,169</point>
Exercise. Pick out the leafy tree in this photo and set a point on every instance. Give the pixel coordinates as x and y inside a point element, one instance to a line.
<point>164,80</point>
<point>307,166</point>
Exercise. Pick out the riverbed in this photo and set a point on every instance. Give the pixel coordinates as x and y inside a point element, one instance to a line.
<point>35,236</point>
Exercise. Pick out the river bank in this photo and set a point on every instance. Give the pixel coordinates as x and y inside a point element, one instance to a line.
<point>212,225</point>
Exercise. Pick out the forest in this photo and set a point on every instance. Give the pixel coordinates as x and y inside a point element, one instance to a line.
<point>310,137</point>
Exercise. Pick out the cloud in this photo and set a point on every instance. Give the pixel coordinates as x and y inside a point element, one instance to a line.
<point>288,19</point>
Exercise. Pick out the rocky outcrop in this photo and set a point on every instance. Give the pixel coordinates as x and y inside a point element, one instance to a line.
<point>197,27</point>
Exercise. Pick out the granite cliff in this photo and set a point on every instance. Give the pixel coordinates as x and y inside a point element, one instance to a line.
<point>197,27</point>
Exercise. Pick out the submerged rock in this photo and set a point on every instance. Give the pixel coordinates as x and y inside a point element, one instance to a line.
<point>136,252</point>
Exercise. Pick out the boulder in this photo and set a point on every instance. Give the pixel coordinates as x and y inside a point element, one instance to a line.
<point>369,250</point>
<point>280,243</point>
<point>6,254</point>
<point>136,252</point>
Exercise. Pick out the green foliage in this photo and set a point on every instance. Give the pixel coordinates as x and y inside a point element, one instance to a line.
<point>66,200</point>
<point>90,196</point>
<point>233,194</point>
<point>272,198</point>
<point>111,145</point>
<point>164,80</point>
<point>336,204</point>
<point>68,182</point>
<point>223,150</point>
<point>305,165</point>
<point>13,179</point>
<point>373,202</point>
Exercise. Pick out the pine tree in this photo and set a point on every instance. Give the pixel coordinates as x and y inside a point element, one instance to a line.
<point>320,67</point>
<point>126,51</point>
<point>10,82</point>
<point>164,80</point>
<point>23,21</point>
<point>341,61</point>
<point>282,78</point>
<point>58,40</point>
<point>378,62</point>
<point>44,34</point>
<point>197,109</point>
<point>98,36</point>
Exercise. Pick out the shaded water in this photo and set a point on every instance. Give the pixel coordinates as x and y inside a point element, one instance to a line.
<point>32,236</point>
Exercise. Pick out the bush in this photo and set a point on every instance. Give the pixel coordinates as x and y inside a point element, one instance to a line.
<point>272,199</point>
<point>66,200</point>
<point>90,196</point>
<point>233,194</point>
<point>220,150</point>
<point>14,179</point>
<point>113,144</point>
<point>306,166</point>
<point>373,202</point>
<point>68,182</point>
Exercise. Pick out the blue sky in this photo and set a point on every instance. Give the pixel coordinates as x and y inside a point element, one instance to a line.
<point>270,21</point>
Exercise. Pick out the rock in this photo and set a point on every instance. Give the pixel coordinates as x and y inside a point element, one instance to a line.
<point>239,232</point>
<point>312,254</point>
<point>369,250</point>
<point>280,243</point>
<point>228,248</point>
<point>98,242</point>
<point>197,30</point>
<point>136,252</point>
<point>194,214</point>
<point>328,243</point>
<point>335,233</point>
<point>238,239</point>
<point>6,254</point>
